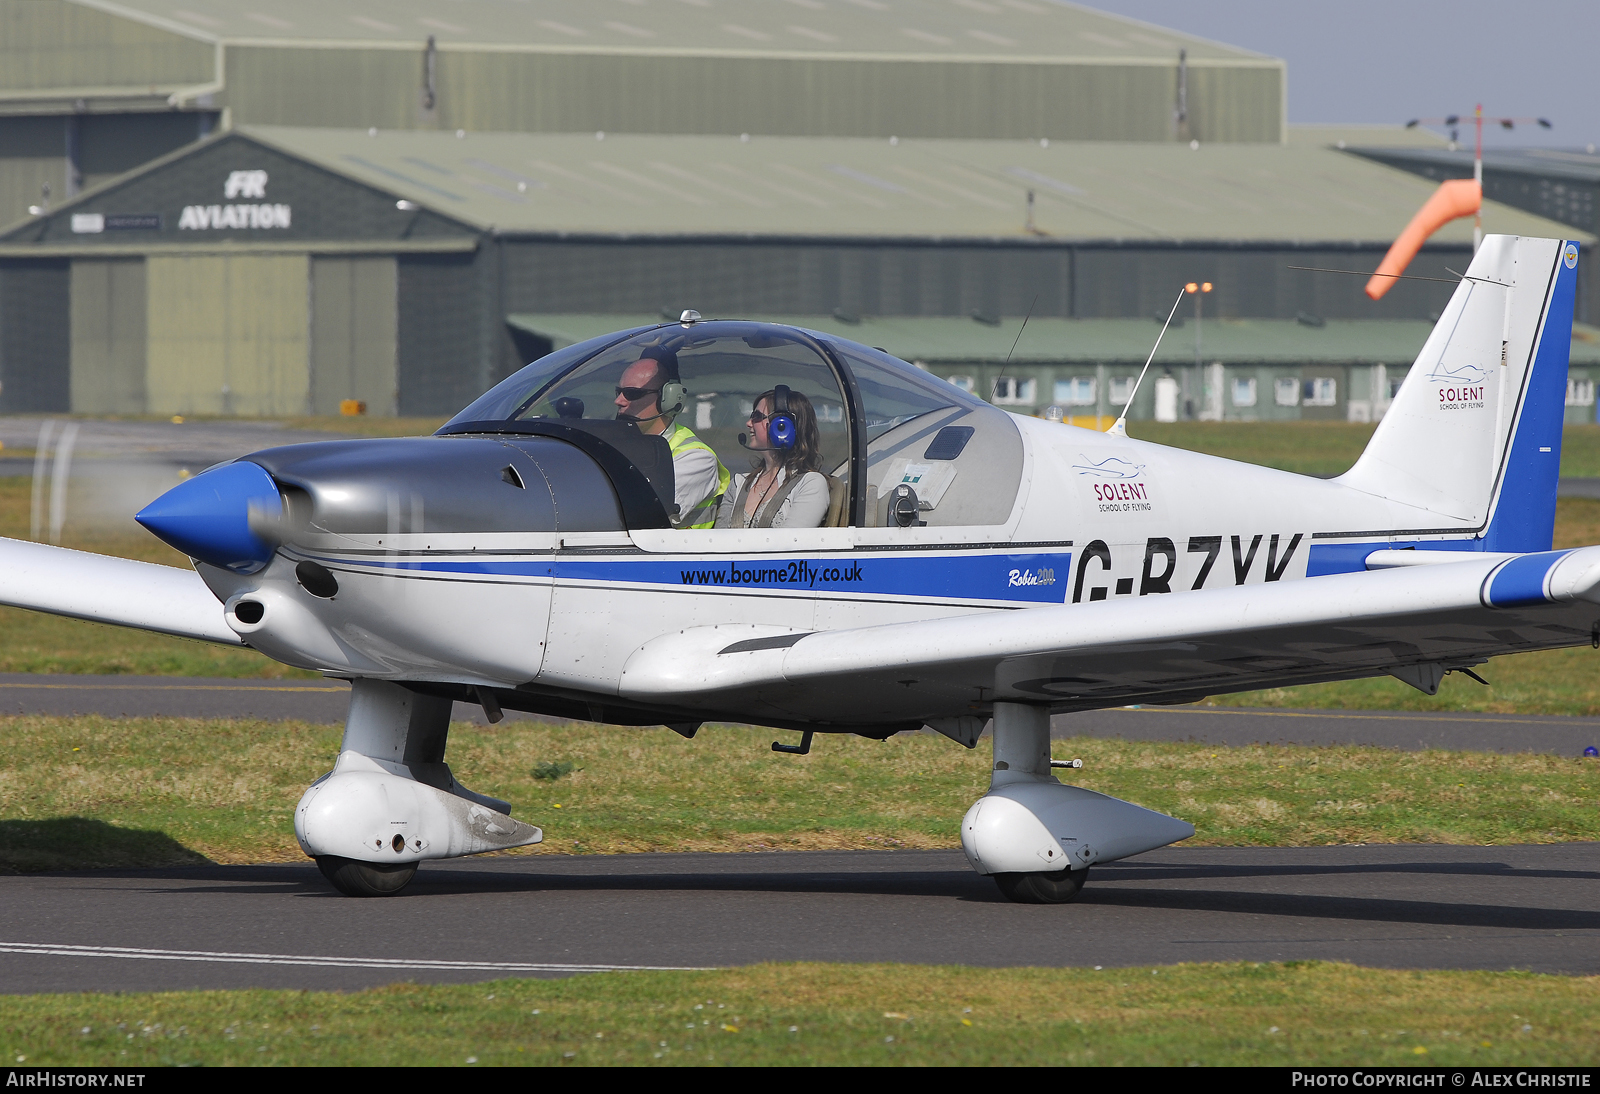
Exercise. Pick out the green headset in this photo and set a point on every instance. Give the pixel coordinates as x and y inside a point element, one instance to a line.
<point>671,399</point>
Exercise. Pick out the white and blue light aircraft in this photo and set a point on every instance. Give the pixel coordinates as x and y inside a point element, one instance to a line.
<point>974,566</point>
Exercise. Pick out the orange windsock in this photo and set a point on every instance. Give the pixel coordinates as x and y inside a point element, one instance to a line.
<point>1455,198</point>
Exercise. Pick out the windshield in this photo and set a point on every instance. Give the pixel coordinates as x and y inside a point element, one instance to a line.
<point>505,399</point>
<point>894,392</point>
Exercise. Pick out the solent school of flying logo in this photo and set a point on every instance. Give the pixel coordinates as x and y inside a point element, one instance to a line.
<point>1460,387</point>
<point>1117,490</point>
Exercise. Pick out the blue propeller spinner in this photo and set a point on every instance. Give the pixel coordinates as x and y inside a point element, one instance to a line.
<point>209,517</point>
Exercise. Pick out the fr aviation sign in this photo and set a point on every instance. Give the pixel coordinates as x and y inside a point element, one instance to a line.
<point>239,184</point>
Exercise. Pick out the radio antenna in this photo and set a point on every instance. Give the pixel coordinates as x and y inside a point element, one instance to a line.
<point>1119,428</point>
<point>994,390</point>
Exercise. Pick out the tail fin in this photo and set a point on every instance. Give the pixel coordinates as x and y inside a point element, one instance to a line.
<point>1474,434</point>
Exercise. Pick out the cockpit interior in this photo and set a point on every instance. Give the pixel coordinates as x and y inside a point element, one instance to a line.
<point>903,447</point>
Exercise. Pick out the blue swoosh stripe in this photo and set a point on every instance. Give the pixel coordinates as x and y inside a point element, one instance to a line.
<point>1023,578</point>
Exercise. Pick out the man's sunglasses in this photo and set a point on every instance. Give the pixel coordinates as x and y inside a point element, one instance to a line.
<point>634,394</point>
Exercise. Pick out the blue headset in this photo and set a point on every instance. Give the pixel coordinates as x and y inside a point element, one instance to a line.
<point>781,430</point>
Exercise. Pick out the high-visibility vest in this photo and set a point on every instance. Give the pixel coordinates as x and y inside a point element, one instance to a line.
<point>680,438</point>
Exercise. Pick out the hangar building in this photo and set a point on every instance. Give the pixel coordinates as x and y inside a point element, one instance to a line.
<point>241,208</point>
<point>92,88</point>
<point>274,270</point>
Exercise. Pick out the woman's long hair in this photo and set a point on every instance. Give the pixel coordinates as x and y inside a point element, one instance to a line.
<point>806,455</point>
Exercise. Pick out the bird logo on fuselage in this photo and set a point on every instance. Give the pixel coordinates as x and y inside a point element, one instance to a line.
<point>1112,467</point>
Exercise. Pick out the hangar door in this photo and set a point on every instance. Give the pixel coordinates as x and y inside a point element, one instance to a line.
<point>354,303</point>
<point>229,334</point>
<point>109,310</point>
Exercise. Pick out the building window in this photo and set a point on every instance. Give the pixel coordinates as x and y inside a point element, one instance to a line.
<point>1078,391</point>
<point>1320,391</point>
<point>1244,392</point>
<point>1012,390</point>
<point>1286,391</point>
<point>965,383</point>
<point>1580,392</point>
<point>1121,388</point>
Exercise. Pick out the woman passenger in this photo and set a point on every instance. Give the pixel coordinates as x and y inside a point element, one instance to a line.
<point>785,487</point>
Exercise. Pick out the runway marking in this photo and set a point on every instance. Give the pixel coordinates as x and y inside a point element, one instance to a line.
<point>173,687</point>
<point>215,957</point>
<point>1464,716</point>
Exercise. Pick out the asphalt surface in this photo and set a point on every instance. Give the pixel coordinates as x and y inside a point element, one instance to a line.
<point>326,701</point>
<point>471,920</point>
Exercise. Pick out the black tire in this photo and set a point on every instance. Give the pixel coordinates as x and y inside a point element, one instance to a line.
<point>354,878</point>
<point>1057,887</point>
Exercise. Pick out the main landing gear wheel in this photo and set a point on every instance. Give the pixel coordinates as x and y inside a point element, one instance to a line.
<point>1058,887</point>
<point>354,878</point>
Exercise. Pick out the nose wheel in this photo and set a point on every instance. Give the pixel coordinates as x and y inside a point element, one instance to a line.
<point>1059,887</point>
<point>354,878</point>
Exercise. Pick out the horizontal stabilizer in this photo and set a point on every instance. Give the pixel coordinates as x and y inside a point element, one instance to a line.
<point>117,591</point>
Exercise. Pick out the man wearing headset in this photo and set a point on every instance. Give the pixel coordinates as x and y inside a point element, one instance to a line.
<point>651,394</point>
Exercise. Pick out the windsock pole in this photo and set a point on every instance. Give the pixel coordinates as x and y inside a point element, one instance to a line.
<point>1477,177</point>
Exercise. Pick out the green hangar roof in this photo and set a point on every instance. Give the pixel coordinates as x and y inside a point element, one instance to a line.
<point>923,68</point>
<point>557,186</point>
<point>565,184</point>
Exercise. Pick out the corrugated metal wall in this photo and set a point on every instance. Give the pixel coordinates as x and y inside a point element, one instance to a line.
<point>354,305</point>
<point>35,336</point>
<point>33,154</point>
<point>229,334</point>
<point>109,315</point>
<point>577,92</point>
<point>1256,282</point>
<point>891,279</point>
<point>50,44</point>
<point>33,151</point>
<point>452,343</point>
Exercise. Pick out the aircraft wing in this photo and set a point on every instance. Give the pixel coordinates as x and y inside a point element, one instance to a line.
<point>103,589</point>
<point>1411,621</point>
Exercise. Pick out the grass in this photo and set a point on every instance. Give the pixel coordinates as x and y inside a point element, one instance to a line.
<point>1325,448</point>
<point>1295,1013</point>
<point>167,790</point>
<point>1306,448</point>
